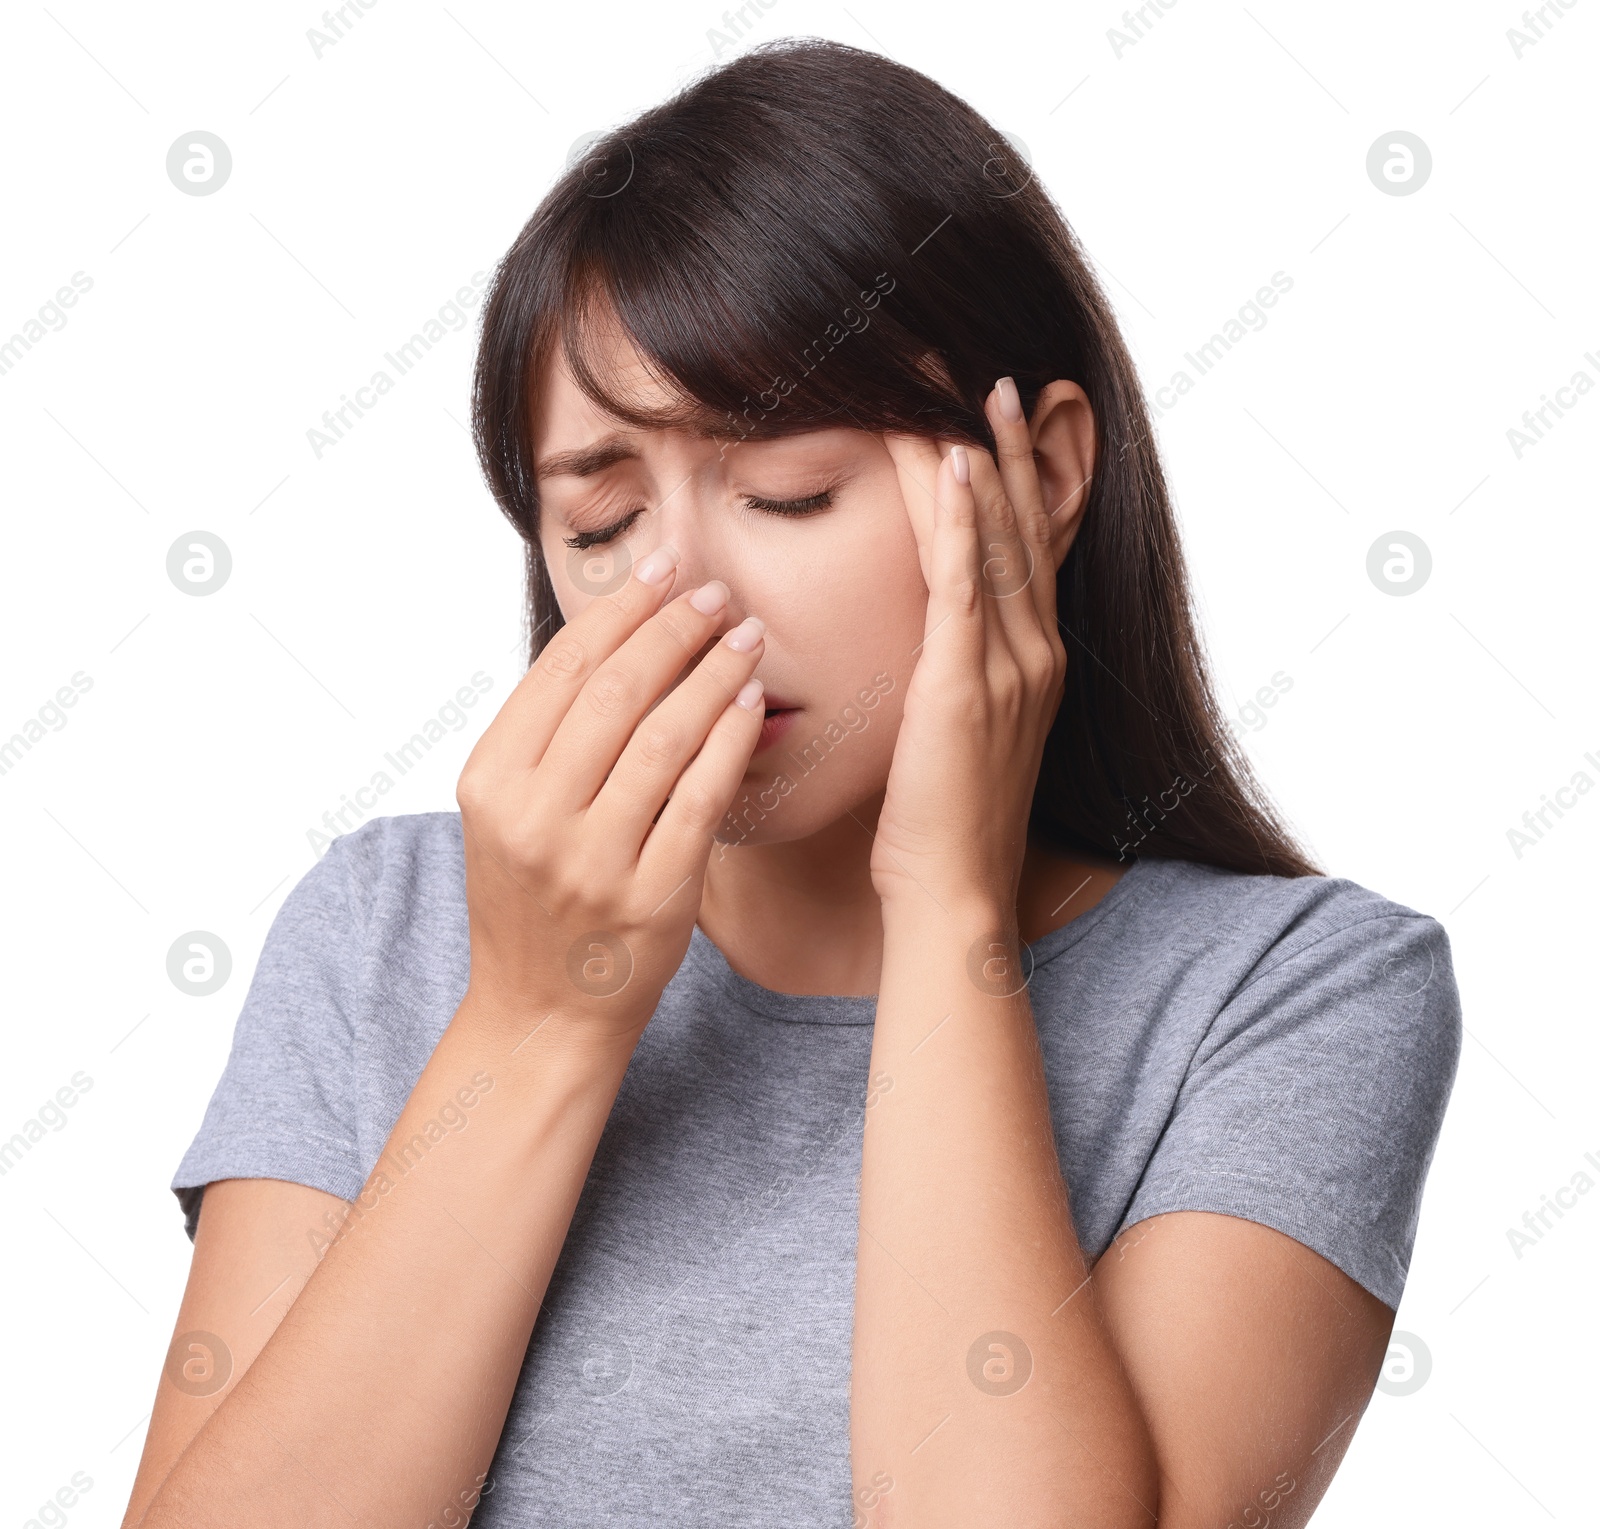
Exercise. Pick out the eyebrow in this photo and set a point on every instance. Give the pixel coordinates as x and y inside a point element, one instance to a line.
<point>587,460</point>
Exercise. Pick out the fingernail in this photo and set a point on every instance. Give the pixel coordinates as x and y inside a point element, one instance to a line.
<point>710,598</point>
<point>960,465</point>
<point>1010,399</point>
<point>655,568</point>
<point>749,695</point>
<point>747,634</point>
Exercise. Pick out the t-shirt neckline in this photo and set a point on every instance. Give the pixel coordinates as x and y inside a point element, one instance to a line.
<point>845,1009</point>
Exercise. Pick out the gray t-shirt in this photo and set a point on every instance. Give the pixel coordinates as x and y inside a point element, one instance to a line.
<point>1276,1049</point>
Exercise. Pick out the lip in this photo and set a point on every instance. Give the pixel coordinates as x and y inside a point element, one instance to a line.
<point>778,721</point>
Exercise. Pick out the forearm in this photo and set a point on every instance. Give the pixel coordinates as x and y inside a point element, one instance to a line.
<point>965,1232</point>
<point>382,1394</point>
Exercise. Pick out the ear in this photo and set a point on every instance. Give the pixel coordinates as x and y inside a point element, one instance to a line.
<point>1062,428</point>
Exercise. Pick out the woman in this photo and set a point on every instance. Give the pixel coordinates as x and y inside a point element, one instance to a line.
<point>865,1047</point>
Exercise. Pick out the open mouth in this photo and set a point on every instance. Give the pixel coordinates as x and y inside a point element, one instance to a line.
<point>778,721</point>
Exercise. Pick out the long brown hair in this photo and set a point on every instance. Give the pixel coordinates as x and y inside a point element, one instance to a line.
<point>796,241</point>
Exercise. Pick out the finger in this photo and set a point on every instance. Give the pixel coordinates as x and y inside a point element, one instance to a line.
<point>916,460</point>
<point>522,730</point>
<point>1019,472</point>
<point>668,738</point>
<point>1008,563</point>
<point>680,843</point>
<point>955,587</point>
<point>1021,636</point>
<point>614,698</point>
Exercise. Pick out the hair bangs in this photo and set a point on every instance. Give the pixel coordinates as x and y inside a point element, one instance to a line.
<point>759,333</point>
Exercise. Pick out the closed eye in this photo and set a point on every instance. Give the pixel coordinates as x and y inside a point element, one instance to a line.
<point>810,505</point>
<point>807,506</point>
<point>605,533</point>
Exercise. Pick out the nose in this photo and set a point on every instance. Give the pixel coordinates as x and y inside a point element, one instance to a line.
<point>692,522</point>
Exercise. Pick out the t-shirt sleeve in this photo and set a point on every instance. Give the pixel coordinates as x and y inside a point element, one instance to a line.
<point>1314,1104</point>
<point>284,1106</point>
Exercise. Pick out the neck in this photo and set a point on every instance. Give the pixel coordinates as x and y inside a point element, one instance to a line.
<point>800,916</point>
<point>803,916</point>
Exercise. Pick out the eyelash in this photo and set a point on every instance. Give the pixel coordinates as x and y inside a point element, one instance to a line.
<point>583,539</point>
<point>810,505</point>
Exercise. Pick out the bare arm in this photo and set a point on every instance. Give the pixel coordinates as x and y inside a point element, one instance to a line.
<point>986,1384</point>
<point>1209,1373</point>
<point>588,811</point>
<point>996,1378</point>
<point>253,1252</point>
<point>382,1392</point>
<point>1252,1357</point>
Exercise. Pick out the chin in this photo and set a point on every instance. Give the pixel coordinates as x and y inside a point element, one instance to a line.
<point>780,805</point>
<point>763,810</point>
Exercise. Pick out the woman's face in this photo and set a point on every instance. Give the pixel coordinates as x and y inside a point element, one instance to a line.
<point>809,532</point>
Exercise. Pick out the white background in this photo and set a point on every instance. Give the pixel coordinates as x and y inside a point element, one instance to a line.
<point>369,184</point>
